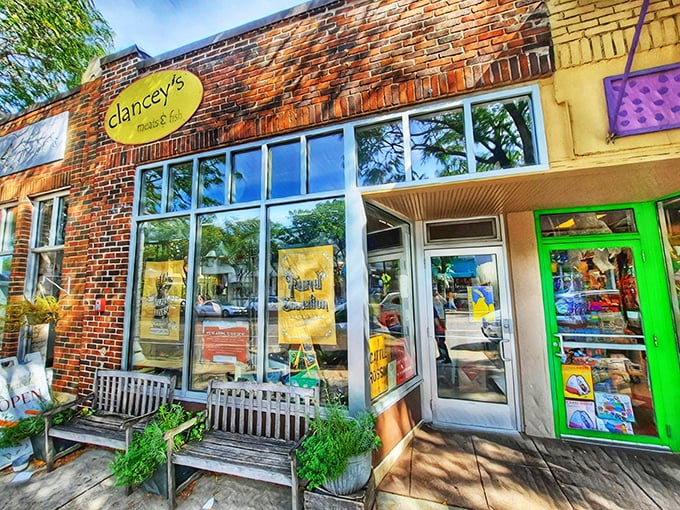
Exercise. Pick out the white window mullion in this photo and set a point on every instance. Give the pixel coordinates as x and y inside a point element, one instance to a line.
<point>469,137</point>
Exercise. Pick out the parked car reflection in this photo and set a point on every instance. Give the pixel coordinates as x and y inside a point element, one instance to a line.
<point>213,308</point>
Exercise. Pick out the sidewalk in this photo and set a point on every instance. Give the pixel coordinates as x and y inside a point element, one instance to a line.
<point>439,470</point>
<point>482,471</point>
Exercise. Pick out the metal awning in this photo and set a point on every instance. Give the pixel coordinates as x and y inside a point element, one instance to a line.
<point>555,188</point>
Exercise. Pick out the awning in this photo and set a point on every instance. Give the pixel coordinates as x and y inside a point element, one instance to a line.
<point>555,188</point>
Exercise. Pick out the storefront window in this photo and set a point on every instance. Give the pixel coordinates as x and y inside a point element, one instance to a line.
<point>284,170</point>
<point>6,251</point>
<point>180,186</point>
<point>504,134</point>
<point>48,246</point>
<point>326,163</point>
<point>160,296</point>
<point>605,376</point>
<point>307,327</point>
<point>588,223</point>
<point>152,185</point>
<point>438,145</point>
<point>380,153</point>
<point>246,176</point>
<point>392,359</point>
<point>224,340</point>
<point>213,181</point>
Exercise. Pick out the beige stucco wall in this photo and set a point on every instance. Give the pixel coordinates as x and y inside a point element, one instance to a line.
<point>591,41</point>
<point>531,344</point>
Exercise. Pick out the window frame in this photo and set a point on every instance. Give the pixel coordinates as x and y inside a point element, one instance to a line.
<point>35,250</point>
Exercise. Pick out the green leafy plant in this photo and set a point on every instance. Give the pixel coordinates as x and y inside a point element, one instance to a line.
<point>335,438</point>
<point>29,427</point>
<point>42,310</point>
<point>148,448</point>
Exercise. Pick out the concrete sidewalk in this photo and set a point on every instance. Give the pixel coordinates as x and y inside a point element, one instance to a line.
<point>440,470</point>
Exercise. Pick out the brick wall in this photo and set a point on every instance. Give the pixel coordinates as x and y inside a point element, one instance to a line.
<point>68,174</point>
<point>587,31</point>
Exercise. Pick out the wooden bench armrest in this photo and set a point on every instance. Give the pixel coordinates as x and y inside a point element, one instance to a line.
<point>133,420</point>
<point>296,446</point>
<point>170,434</point>
<point>53,410</point>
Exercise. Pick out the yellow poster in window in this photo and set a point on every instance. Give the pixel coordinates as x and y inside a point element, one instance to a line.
<point>161,300</point>
<point>306,296</point>
<point>378,366</point>
<point>578,382</point>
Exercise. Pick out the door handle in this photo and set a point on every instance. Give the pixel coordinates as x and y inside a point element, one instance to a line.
<point>501,349</point>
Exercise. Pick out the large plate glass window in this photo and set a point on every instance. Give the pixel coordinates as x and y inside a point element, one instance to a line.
<point>670,221</point>
<point>7,221</point>
<point>224,340</point>
<point>306,325</point>
<point>160,296</point>
<point>392,359</point>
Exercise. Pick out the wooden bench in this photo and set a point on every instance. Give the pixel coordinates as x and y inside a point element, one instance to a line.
<point>252,431</point>
<point>120,401</point>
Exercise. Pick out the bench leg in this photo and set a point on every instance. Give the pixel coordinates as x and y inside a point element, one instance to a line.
<point>171,479</point>
<point>49,450</point>
<point>295,486</point>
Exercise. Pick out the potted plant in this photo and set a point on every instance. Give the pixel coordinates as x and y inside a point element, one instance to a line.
<point>144,462</point>
<point>12,434</point>
<point>336,455</point>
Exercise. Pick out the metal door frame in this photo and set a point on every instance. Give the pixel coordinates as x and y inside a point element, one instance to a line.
<point>468,411</point>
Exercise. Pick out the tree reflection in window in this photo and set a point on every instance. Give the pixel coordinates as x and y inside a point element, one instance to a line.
<point>380,152</point>
<point>213,181</point>
<point>438,145</point>
<point>180,186</point>
<point>234,238</point>
<point>503,133</point>
<point>152,183</point>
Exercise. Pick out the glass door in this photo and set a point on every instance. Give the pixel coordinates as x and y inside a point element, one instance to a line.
<point>470,338</point>
<point>601,360</point>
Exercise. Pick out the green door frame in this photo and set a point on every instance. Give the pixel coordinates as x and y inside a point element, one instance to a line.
<point>655,308</point>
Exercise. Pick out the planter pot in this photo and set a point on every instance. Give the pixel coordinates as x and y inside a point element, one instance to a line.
<point>158,482</point>
<point>354,477</point>
<point>60,445</point>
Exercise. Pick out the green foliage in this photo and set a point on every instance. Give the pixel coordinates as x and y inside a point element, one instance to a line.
<point>41,310</point>
<point>148,448</point>
<point>334,439</point>
<point>29,427</point>
<point>46,47</point>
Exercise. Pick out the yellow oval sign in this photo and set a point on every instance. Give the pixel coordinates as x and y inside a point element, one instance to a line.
<point>153,107</point>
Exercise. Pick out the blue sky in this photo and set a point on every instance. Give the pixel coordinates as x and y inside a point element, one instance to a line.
<point>157,26</point>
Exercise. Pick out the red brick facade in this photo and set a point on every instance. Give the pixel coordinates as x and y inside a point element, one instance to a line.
<point>337,61</point>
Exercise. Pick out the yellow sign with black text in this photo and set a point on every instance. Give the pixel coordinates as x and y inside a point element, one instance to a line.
<point>306,296</point>
<point>153,107</point>
<point>378,366</point>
